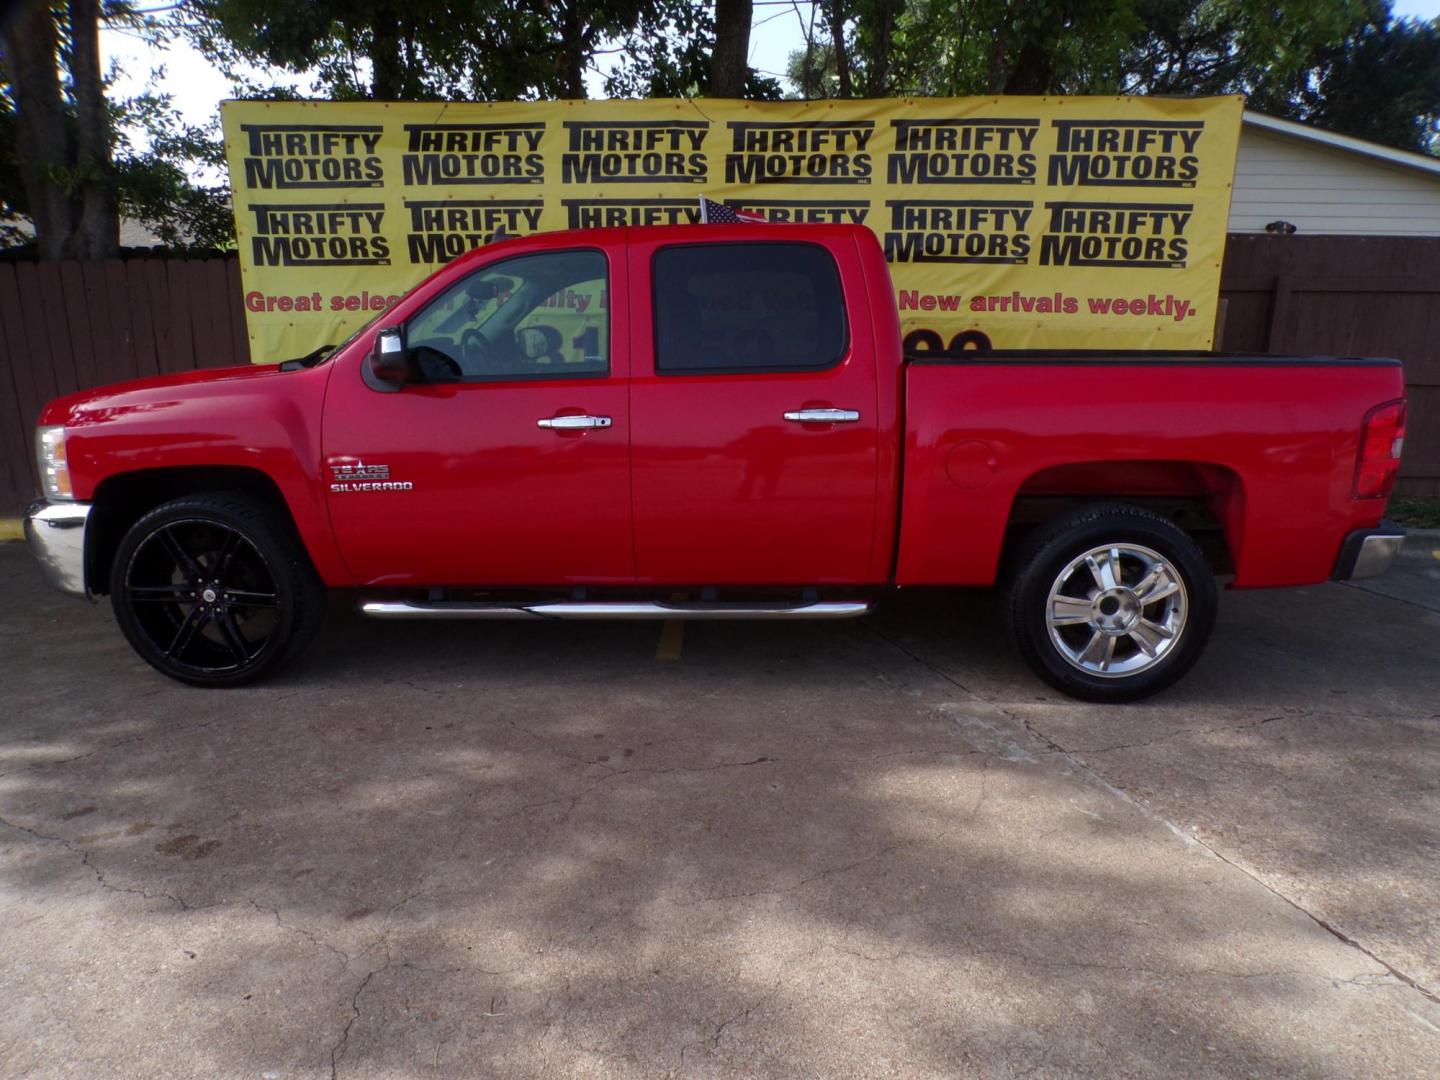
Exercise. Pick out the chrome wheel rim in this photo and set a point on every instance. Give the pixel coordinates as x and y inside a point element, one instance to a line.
<point>204,596</point>
<point>1116,610</point>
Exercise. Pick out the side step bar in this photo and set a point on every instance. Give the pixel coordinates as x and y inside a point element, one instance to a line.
<point>608,609</point>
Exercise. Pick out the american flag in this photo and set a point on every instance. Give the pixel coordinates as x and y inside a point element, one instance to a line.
<point>714,213</point>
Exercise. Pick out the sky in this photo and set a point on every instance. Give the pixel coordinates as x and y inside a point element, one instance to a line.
<point>198,88</point>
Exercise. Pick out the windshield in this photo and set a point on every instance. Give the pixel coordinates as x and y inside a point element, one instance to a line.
<point>335,350</point>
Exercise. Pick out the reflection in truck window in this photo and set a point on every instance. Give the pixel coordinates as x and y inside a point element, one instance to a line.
<point>750,307</point>
<point>537,316</point>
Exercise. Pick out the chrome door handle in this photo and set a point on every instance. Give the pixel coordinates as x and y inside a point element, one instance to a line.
<point>574,423</point>
<point>823,416</point>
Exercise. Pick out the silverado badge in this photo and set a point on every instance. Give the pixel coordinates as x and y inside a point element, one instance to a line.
<point>362,477</point>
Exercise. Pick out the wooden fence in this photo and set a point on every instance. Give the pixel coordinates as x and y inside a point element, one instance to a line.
<point>1353,296</point>
<point>66,326</point>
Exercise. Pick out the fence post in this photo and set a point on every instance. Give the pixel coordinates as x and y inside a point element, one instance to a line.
<point>1276,340</point>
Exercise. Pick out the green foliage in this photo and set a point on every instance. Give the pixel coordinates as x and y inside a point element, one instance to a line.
<point>14,207</point>
<point>1381,83</point>
<point>667,54</point>
<point>153,154</point>
<point>958,47</point>
<point>1415,513</point>
<point>1340,64</point>
<point>154,184</point>
<point>1226,46</point>
<point>461,50</point>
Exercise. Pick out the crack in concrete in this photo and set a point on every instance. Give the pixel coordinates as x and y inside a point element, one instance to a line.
<point>1089,965</point>
<point>1080,766</point>
<point>572,799</point>
<point>337,1052</point>
<point>645,770</point>
<point>1386,596</point>
<point>314,939</point>
<point>611,770</point>
<point>84,856</point>
<point>1328,927</point>
<point>1193,731</point>
<point>179,731</point>
<point>712,1041</point>
<point>179,901</point>
<point>844,868</point>
<point>81,757</point>
<point>984,789</point>
<point>416,686</point>
<point>420,890</point>
<point>1191,838</point>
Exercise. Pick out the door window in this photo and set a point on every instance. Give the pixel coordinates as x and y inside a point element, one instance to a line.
<point>746,308</point>
<point>543,316</point>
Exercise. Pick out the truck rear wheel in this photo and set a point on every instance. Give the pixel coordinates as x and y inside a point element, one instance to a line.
<point>212,590</point>
<point>1112,603</point>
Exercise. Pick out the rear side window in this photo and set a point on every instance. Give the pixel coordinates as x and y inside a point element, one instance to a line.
<point>747,307</point>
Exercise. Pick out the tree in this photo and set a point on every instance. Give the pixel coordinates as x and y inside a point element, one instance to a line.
<point>666,55</point>
<point>1382,83</point>
<point>75,158</point>
<point>875,33</point>
<point>950,47</point>
<point>61,147</point>
<point>434,50</point>
<point>836,16</point>
<point>1342,64</point>
<point>1233,46</point>
<point>730,60</point>
<point>156,186</point>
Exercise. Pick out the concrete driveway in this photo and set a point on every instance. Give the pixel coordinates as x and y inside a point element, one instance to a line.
<point>874,848</point>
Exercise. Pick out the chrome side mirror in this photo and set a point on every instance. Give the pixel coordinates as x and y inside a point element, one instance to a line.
<point>390,362</point>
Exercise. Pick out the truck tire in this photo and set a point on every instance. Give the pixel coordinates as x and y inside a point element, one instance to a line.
<point>1111,603</point>
<point>215,590</point>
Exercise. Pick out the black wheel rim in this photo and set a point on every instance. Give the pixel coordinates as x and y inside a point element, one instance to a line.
<point>204,597</point>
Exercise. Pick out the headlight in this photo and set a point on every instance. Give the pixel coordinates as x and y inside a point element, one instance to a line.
<point>54,469</point>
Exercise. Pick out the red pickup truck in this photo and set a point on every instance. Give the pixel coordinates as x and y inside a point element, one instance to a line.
<point>585,425</point>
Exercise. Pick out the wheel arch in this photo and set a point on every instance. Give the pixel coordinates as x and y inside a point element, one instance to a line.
<point>122,499</point>
<point>1205,499</point>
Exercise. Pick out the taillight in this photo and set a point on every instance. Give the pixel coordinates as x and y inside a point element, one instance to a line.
<point>1381,437</point>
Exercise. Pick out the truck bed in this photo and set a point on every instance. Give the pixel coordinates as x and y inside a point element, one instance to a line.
<point>1264,445</point>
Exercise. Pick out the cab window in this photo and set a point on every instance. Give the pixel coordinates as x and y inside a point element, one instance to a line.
<point>747,308</point>
<point>543,316</point>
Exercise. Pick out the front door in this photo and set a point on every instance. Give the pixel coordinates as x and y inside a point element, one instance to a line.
<point>755,427</point>
<point>507,462</point>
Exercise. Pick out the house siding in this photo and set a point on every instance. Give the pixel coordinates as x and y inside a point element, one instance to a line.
<point>1325,191</point>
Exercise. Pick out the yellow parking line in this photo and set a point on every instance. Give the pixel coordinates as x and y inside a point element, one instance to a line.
<point>11,529</point>
<point>672,635</point>
<point>672,638</point>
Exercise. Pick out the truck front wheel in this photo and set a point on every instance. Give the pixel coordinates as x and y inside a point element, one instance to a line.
<point>1112,603</point>
<point>213,590</point>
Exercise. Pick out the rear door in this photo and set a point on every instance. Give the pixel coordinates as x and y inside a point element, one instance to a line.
<point>753,412</point>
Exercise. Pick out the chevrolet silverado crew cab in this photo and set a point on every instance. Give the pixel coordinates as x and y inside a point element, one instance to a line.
<point>584,425</point>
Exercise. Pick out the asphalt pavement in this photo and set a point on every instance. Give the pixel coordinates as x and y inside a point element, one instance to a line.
<point>878,848</point>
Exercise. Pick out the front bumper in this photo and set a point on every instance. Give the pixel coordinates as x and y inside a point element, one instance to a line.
<point>1368,552</point>
<point>56,534</point>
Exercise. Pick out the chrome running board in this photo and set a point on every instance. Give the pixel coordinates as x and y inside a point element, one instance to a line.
<point>611,609</point>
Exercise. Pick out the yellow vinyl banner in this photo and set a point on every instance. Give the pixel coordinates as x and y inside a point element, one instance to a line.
<point>1010,222</point>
